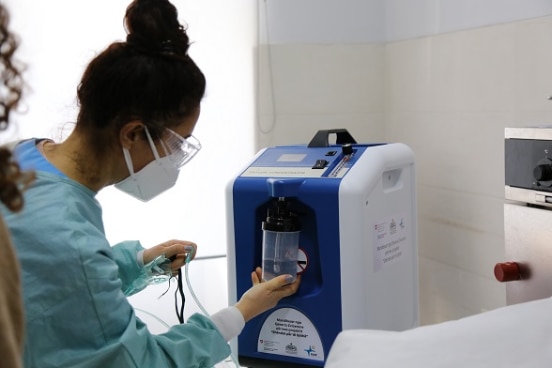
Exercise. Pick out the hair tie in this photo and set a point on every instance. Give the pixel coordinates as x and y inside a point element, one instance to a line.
<point>151,47</point>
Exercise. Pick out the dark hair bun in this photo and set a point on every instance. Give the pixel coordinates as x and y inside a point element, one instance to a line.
<point>153,27</point>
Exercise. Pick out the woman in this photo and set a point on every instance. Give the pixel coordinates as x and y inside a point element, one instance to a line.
<point>139,103</point>
<point>11,181</point>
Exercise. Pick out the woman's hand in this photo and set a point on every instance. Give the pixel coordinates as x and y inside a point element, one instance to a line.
<point>170,248</point>
<point>265,295</point>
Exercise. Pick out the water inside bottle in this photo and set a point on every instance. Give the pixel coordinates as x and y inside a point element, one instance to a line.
<point>273,268</point>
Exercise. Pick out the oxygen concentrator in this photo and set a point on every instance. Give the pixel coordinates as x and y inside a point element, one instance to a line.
<point>354,210</point>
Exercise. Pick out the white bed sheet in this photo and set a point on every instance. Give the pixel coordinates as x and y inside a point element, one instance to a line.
<point>518,336</point>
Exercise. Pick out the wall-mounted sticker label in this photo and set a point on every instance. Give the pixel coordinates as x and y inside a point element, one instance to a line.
<point>288,332</point>
<point>391,243</point>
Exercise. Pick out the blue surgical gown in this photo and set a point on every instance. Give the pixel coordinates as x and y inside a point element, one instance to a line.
<point>76,313</point>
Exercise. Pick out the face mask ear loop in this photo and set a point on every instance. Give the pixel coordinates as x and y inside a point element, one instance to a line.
<point>152,145</point>
<point>128,161</point>
<point>165,149</point>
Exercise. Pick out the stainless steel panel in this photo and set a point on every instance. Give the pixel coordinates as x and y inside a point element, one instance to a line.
<point>543,199</point>
<point>528,241</point>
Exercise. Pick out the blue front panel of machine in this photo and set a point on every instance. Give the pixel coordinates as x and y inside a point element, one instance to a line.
<point>316,200</point>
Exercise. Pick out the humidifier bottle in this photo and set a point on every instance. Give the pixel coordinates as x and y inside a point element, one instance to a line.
<point>281,230</point>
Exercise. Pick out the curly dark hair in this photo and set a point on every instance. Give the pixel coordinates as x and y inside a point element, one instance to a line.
<point>10,74</point>
<point>12,180</point>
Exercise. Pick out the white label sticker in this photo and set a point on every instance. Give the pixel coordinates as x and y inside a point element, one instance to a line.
<point>289,332</point>
<point>390,241</point>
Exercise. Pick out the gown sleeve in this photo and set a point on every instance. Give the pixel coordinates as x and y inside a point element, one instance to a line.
<point>124,254</point>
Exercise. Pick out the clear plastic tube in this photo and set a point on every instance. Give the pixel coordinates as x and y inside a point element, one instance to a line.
<point>201,307</point>
<point>277,253</point>
<point>165,324</point>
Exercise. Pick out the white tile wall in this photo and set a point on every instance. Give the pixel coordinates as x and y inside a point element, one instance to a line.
<point>449,97</point>
<point>533,70</point>
<point>312,87</point>
<point>456,93</point>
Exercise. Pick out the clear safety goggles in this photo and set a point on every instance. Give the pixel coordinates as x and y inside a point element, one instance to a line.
<point>180,149</point>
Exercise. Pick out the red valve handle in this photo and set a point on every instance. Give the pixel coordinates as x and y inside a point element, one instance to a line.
<point>507,271</point>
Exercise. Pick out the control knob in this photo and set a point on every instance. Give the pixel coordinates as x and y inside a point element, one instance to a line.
<point>347,149</point>
<point>507,271</point>
<point>543,172</point>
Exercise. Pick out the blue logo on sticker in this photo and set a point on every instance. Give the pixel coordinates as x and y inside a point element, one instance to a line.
<point>310,350</point>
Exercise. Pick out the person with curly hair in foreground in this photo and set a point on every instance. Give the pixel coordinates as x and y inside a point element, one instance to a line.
<point>12,181</point>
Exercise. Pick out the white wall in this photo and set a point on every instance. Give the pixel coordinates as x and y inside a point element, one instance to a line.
<point>406,19</point>
<point>322,21</point>
<point>450,97</point>
<point>59,37</point>
<point>368,21</point>
<point>443,76</point>
<point>322,64</point>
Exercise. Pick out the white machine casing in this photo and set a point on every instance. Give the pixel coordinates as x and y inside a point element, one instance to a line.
<point>378,187</point>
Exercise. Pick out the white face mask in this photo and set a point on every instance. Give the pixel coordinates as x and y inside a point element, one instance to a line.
<point>155,178</point>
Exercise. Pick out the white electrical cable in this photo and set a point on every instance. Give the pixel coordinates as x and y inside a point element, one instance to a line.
<point>273,121</point>
<point>201,307</point>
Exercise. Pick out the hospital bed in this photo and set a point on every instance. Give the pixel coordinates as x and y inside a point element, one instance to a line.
<point>518,335</point>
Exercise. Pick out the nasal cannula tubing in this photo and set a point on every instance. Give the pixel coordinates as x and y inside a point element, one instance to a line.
<point>201,307</point>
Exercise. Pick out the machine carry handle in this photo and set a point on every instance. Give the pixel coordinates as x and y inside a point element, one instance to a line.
<point>320,139</point>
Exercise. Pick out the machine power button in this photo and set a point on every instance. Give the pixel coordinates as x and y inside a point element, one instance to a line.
<point>347,149</point>
<point>507,271</point>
